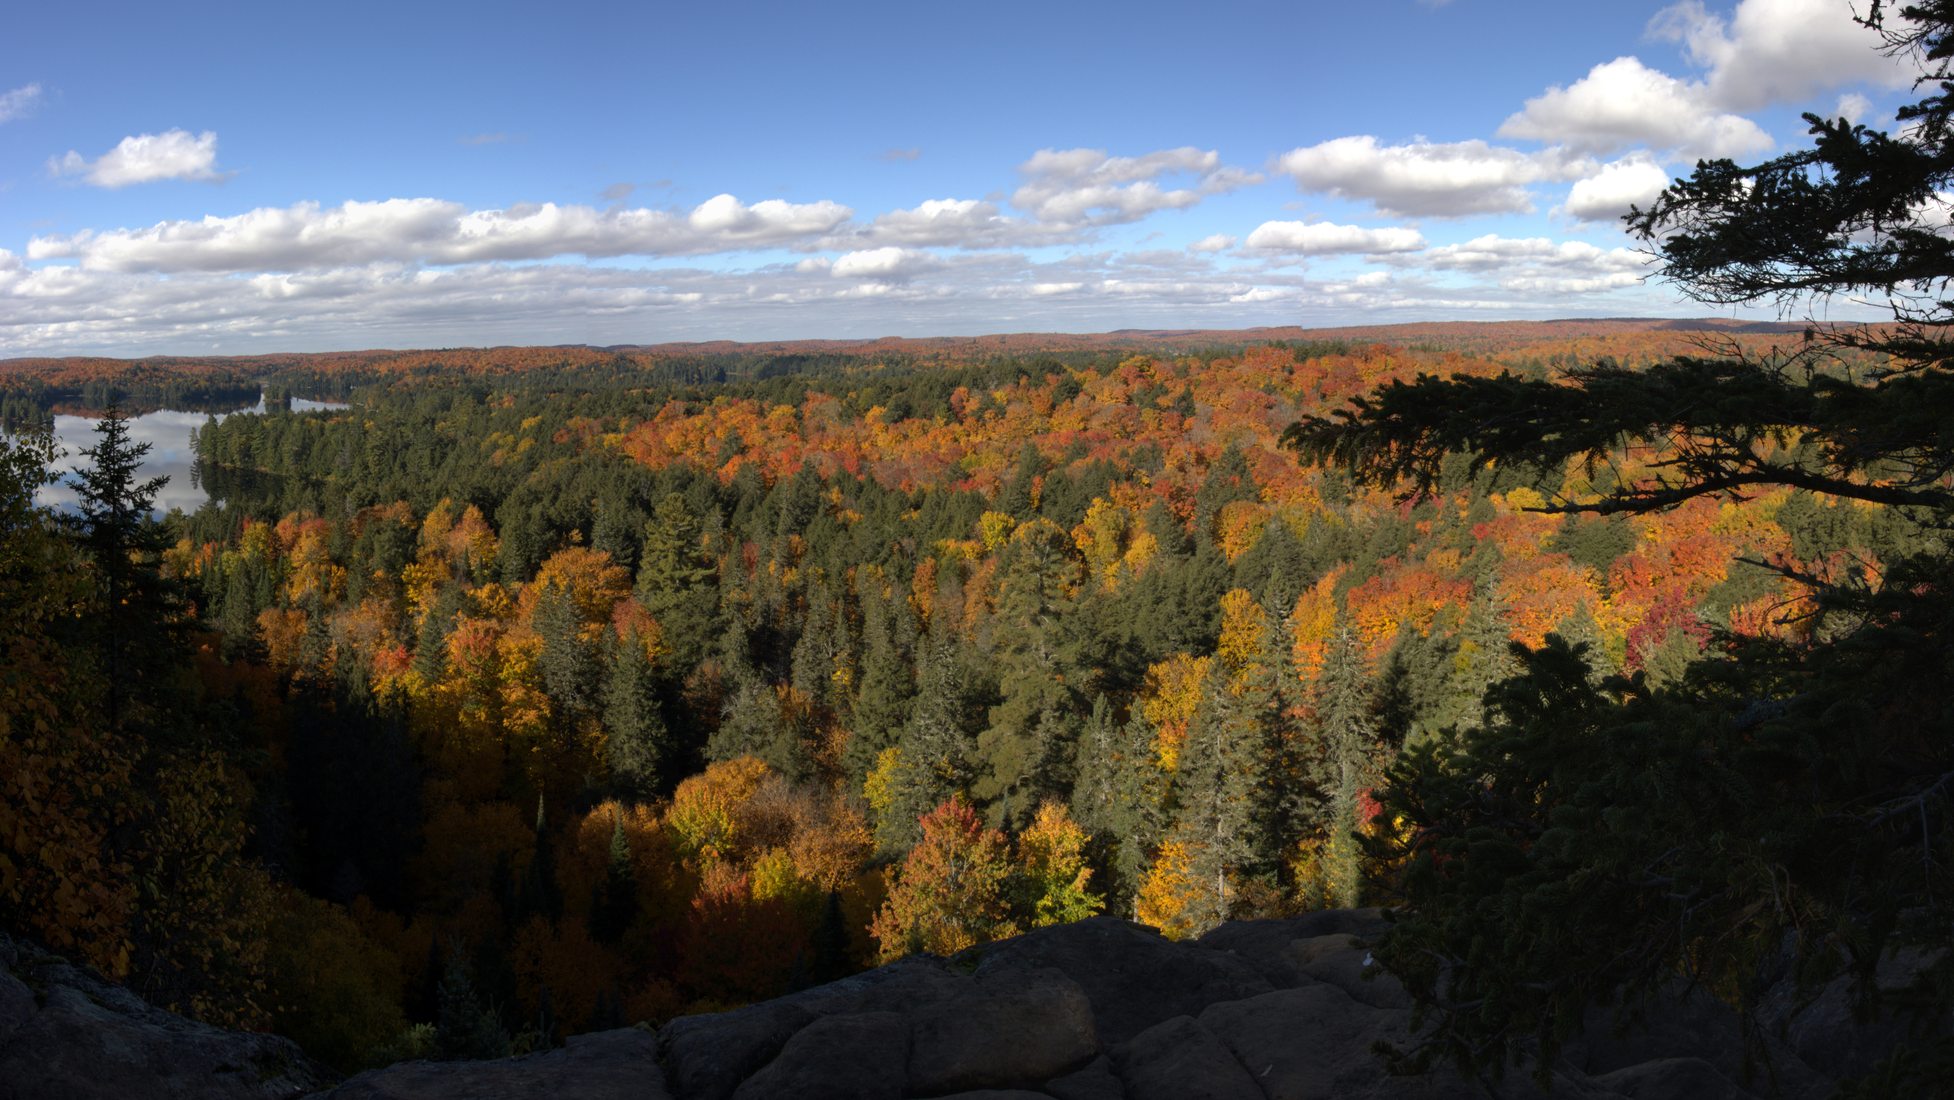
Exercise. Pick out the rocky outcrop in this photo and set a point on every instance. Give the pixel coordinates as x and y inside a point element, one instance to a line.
<point>1105,1010</point>
<point>1100,1010</point>
<point>67,1035</point>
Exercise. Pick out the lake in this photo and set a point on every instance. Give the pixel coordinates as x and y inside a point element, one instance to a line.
<point>167,431</point>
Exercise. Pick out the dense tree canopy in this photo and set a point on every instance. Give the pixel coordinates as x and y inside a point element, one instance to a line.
<point>1593,843</point>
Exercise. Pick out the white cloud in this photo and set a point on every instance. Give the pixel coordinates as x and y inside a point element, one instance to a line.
<point>1624,103</point>
<point>307,236</point>
<point>1085,187</point>
<point>19,102</point>
<point>948,223</point>
<point>889,263</point>
<point>1426,179</point>
<point>1215,242</point>
<point>1327,239</point>
<point>145,158</point>
<point>770,221</point>
<point>1854,108</point>
<point>1569,284</point>
<point>1493,252</point>
<point>1779,51</point>
<point>1608,194</point>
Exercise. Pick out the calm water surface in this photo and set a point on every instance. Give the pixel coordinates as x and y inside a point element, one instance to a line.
<point>167,431</point>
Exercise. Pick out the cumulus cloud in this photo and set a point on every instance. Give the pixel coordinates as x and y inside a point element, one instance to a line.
<point>949,223</point>
<point>1624,103</point>
<point>1215,242</point>
<point>1608,194</point>
<point>1328,239</point>
<point>1085,187</point>
<point>1493,252</point>
<point>62,309</point>
<point>423,230</point>
<point>1778,51</point>
<point>145,158</point>
<point>884,264</point>
<point>19,102</point>
<point>1854,108</point>
<point>898,155</point>
<point>1426,179</point>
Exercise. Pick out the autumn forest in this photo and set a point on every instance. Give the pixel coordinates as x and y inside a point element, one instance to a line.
<point>541,690</point>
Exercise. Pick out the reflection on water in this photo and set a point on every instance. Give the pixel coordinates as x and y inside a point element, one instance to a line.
<point>170,455</point>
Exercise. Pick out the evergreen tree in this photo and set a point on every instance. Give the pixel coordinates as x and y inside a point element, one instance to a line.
<point>431,641</point>
<point>541,896</point>
<point>1483,656</point>
<point>570,664</point>
<point>466,1028</point>
<point>1277,568</point>
<point>1215,788</point>
<point>937,750</point>
<point>882,702</point>
<point>1346,761</point>
<point>676,583</point>
<point>1095,796</point>
<point>1273,689</point>
<point>113,526</point>
<point>1583,634</point>
<point>637,747</point>
<point>1027,750</point>
<point>1412,687</point>
<point>1229,480</point>
<point>616,903</point>
<point>820,649</point>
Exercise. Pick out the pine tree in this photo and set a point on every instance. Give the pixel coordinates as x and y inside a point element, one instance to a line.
<point>1346,761</point>
<point>882,703</point>
<point>1027,749</point>
<point>676,583</point>
<point>113,527</point>
<point>638,747</point>
<point>1584,635</point>
<point>937,759</point>
<point>819,650</point>
<point>1483,658</point>
<point>616,903</point>
<point>1275,693</point>
<point>541,896</point>
<point>570,664</point>
<point>1215,788</point>
<point>465,1027</point>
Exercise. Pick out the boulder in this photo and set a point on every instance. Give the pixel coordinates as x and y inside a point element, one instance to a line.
<point>68,1035</point>
<point>1179,1059</point>
<point>1133,976</point>
<point>606,1065</point>
<point>1686,1023</point>
<point>859,1055</point>
<point>707,1056</point>
<point>1096,1081</point>
<point>1012,1028</point>
<point>1667,1077</point>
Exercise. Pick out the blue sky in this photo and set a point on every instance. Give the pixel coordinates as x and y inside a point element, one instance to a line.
<point>248,178</point>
